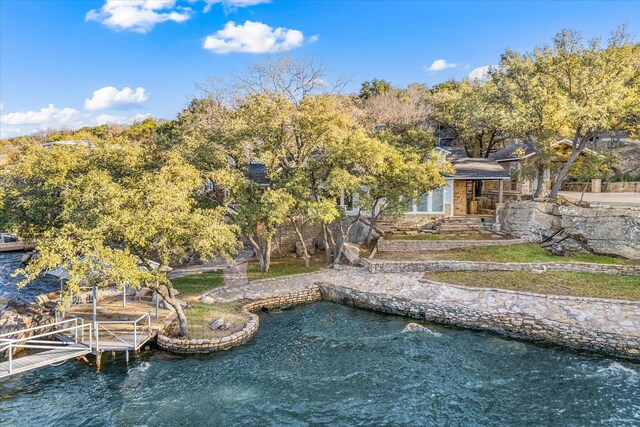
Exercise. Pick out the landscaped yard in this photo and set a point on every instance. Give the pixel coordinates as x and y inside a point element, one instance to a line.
<point>551,282</point>
<point>197,284</point>
<point>285,267</point>
<point>200,315</point>
<point>526,252</point>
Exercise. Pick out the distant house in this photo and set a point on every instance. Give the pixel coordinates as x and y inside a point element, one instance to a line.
<point>462,195</point>
<point>515,157</point>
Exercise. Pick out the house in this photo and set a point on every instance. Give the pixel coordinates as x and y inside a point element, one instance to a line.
<point>517,157</point>
<point>464,193</point>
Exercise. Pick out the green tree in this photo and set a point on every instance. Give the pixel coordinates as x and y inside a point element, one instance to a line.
<point>112,223</point>
<point>572,89</point>
<point>373,88</point>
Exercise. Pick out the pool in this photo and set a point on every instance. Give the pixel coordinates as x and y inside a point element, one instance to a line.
<point>336,365</point>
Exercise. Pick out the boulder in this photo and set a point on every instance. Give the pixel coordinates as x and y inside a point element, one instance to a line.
<point>217,324</point>
<point>311,250</point>
<point>145,294</point>
<point>352,253</point>
<point>415,327</point>
<point>359,232</point>
<point>205,299</point>
<point>558,249</point>
<point>41,299</point>
<point>611,230</point>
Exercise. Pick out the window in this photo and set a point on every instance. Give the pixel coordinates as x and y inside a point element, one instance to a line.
<point>348,202</point>
<point>437,200</point>
<point>423,203</point>
<point>433,201</point>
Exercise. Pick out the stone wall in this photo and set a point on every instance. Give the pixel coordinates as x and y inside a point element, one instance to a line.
<point>286,238</point>
<point>607,187</point>
<point>383,266</point>
<point>609,326</point>
<point>604,230</point>
<point>459,197</point>
<point>177,345</point>
<point>385,245</point>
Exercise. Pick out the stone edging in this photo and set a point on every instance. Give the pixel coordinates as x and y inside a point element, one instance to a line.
<point>383,266</point>
<point>519,315</point>
<point>596,324</point>
<point>385,245</point>
<point>178,345</point>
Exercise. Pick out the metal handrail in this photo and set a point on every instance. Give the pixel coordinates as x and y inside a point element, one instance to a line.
<point>11,344</point>
<point>46,334</point>
<point>49,325</point>
<point>134,323</point>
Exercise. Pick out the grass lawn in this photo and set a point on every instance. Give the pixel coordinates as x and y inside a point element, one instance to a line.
<point>285,267</point>
<point>197,284</point>
<point>551,282</point>
<point>526,252</point>
<point>199,315</point>
<point>448,236</point>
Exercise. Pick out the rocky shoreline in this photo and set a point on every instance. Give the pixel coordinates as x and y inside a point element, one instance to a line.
<point>603,325</point>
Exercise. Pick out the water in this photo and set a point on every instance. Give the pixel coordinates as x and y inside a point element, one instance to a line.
<point>8,289</point>
<point>335,365</point>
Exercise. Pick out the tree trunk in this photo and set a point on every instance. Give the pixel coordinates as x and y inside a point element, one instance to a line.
<point>540,176</point>
<point>305,253</point>
<point>583,190</point>
<point>267,255</point>
<point>564,171</point>
<point>327,249</point>
<point>342,237</point>
<point>170,299</point>
<point>262,252</point>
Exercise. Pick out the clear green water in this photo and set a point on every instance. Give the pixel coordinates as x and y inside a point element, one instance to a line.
<point>335,365</point>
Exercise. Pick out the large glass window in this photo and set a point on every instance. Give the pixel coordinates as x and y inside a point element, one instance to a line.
<point>423,203</point>
<point>437,197</point>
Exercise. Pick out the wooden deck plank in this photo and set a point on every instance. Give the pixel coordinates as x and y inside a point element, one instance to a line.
<point>26,363</point>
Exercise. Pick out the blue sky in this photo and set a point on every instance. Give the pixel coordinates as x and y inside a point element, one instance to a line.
<point>71,63</point>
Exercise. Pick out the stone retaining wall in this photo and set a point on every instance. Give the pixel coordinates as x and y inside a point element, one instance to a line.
<point>178,345</point>
<point>382,266</point>
<point>385,245</point>
<point>608,326</point>
<point>603,230</point>
<point>607,187</point>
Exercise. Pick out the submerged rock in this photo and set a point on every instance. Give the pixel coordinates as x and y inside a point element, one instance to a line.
<point>415,327</point>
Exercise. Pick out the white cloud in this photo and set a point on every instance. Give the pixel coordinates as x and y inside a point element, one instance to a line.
<point>253,37</point>
<point>138,15</point>
<point>439,65</point>
<point>230,5</point>
<point>480,73</point>
<point>48,114</point>
<point>120,120</point>
<point>314,38</point>
<point>52,117</point>
<point>111,98</point>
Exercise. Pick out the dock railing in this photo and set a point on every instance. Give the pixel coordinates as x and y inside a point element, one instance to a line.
<point>70,327</point>
<point>115,329</point>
